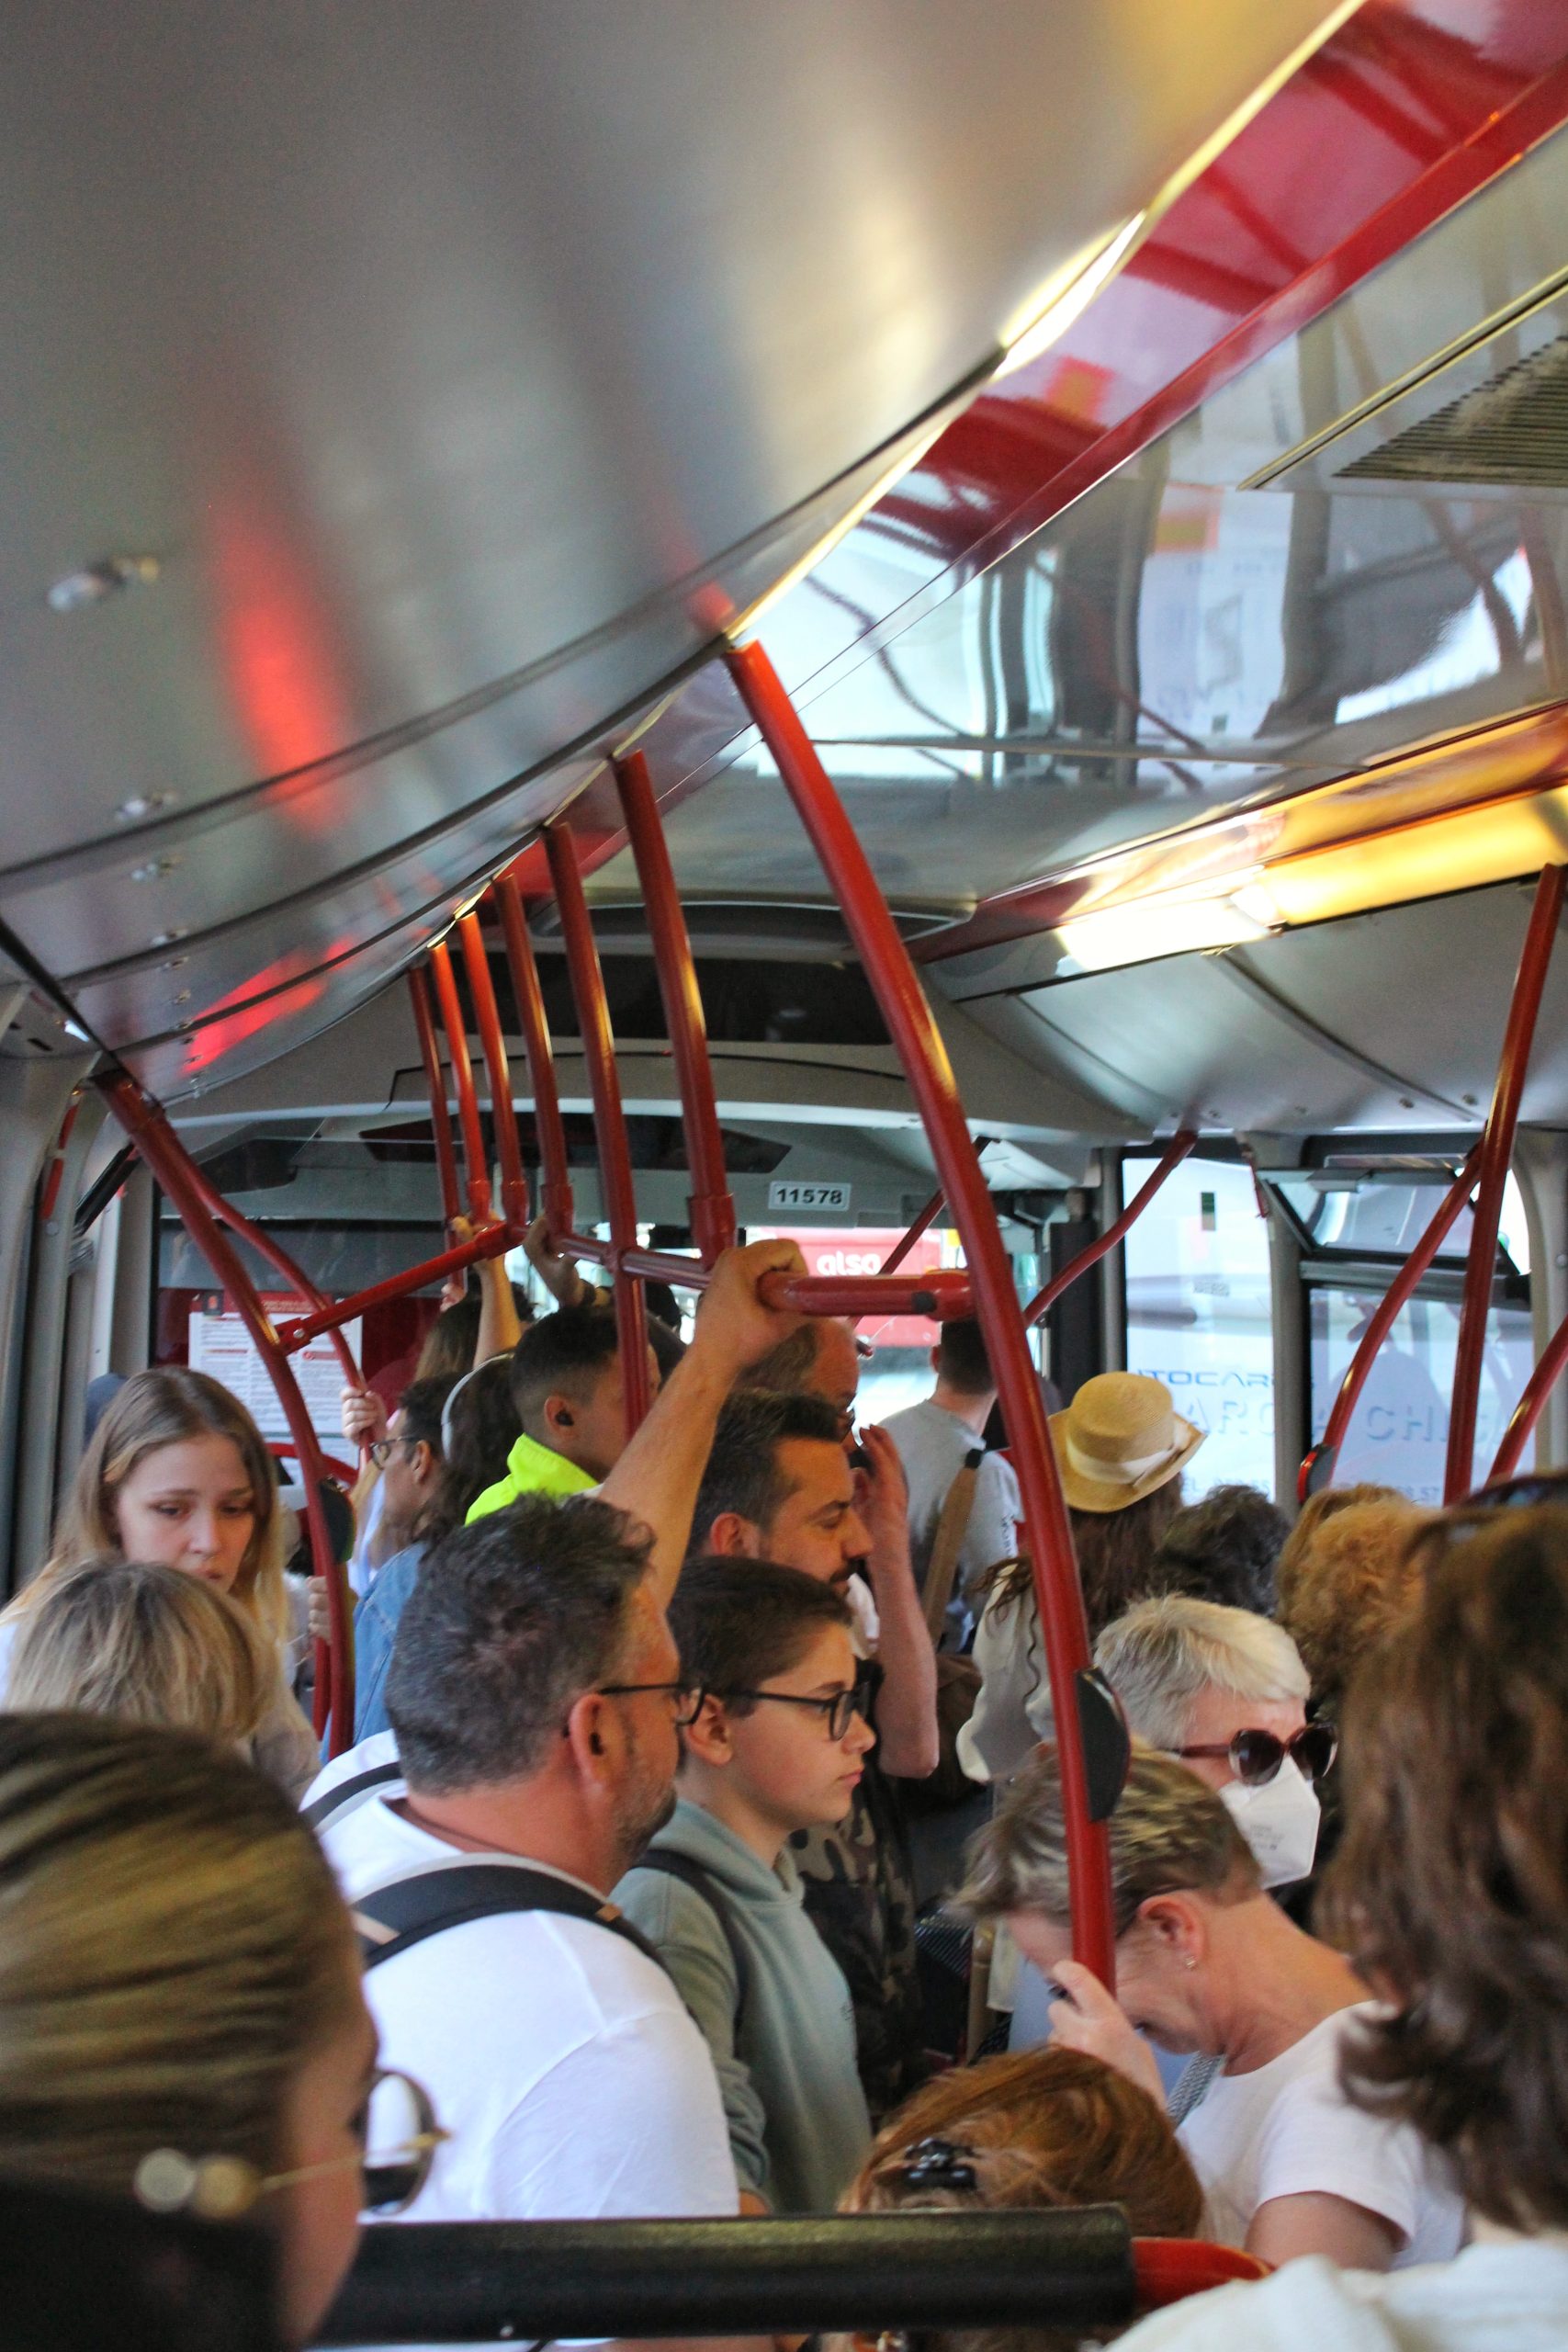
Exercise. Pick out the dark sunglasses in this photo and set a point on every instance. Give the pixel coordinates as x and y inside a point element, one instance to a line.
<point>1256,1755</point>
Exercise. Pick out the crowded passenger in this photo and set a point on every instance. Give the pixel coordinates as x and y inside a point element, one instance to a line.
<point>778,1746</point>
<point>778,1486</point>
<point>142,1644</point>
<point>820,1359</point>
<point>1452,1884</point>
<point>957,1491</point>
<point>1225,1691</point>
<point>1224,1548</point>
<point>181,2021</point>
<point>569,1391</point>
<point>535,1694</point>
<point>1207,1963</point>
<point>177,1475</point>
<point>1121,1448</point>
<point>413,1478</point>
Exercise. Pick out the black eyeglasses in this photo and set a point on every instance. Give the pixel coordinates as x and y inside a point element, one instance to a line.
<point>400,2136</point>
<point>688,1696</point>
<point>1256,1755</point>
<point>381,1451</point>
<point>839,1712</point>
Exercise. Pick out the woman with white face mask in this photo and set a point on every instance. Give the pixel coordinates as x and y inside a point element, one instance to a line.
<point>1226,1690</point>
<point>1207,1963</point>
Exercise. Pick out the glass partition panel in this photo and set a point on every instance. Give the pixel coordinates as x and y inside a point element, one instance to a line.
<point>1399,1432</point>
<point>1200,1313</point>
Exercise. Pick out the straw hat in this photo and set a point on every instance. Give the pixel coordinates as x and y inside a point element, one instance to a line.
<point>1119,1440</point>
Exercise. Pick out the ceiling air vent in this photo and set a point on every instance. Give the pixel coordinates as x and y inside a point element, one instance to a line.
<point>1511,431</point>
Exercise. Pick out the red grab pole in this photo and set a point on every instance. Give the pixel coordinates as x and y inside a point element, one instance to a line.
<point>1040,1305</point>
<point>1496,1151</point>
<point>712,1209</point>
<point>513,1185</point>
<point>604,1086</point>
<point>440,1118</point>
<point>463,1077</point>
<point>554,1178</point>
<point>144,1121</point>
<point>263,1243</point>
<point>920,1049</point>
<point>489,1242</point>
<point>1532,1405</point>
<point>1318,1466</point>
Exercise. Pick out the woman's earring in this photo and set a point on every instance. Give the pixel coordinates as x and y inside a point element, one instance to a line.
<point>1188,1961</point>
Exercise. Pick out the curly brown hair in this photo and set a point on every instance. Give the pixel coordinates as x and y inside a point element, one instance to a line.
<point>1452,1882</point>
<point>1116,1554</point>
<point>1033,2128</point>
<point>1347,1577</point>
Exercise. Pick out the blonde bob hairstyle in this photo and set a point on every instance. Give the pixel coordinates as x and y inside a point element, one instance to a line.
<point>142,1644</point>
<point>168,1406</point>
<point>173,1950</point>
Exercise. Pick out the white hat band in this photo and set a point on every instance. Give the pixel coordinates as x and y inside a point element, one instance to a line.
<point>1118,1473</point>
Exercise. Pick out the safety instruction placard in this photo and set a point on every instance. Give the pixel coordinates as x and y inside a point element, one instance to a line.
<point>220,1345</point>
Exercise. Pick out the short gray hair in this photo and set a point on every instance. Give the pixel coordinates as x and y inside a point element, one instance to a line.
<point>1169,1834</point>
<point>1162,1654</point>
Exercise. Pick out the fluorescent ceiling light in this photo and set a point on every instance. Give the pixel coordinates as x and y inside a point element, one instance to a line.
<point>1176,924</point>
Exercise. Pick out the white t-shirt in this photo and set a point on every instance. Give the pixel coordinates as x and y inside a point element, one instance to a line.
<point>1492,2299</point>
<point>572,2081</point>
<point>1287,2129</point>
<point>381,1748</point>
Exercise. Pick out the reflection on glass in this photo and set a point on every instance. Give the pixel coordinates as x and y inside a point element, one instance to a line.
<point>1399,1432</point>
<point>1199,1316</point>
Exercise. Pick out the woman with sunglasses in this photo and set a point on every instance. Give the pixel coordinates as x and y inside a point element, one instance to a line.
<point>1207,1963</point>
<point>181,2021</point>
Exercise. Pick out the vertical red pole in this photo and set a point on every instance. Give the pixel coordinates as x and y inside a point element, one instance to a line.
<point>170,1163</point>
<point>463,1077</point>
<point>920,1049</point>
<point>1496,1152</point>
<point>554,1178</point>
<point>604,1085</point>
<point>513,1188</point>
<point>712,1209</point>
<point>434,1080</point>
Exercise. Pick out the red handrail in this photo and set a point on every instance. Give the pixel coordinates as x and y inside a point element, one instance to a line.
<point>1531,1404</point>
<point>1496,1152</point>
<point>54,1167</point>
<point>554,1178</point>
<point>887,967</point>
<point>1167,2271</point>
<point>489,1242</point>
<point>171,1165</point>
<point>712,1209</point>
<point>278,1257</point>
<point>1040,1305</point>
<point>902,1247</point>
<point>587,978</point>
<point>503,1116</point>
<point>478,1172</point>
<point>440,1117</point>
<point>1319,1463</point>
<point>941,1295</point>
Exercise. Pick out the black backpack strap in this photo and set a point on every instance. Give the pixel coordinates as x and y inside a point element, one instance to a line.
<point>398,1917</point>
<point>702,1881</point>
<point>328,1806</point>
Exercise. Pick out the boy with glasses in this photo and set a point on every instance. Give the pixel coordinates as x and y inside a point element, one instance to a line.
<point>776,1745</point>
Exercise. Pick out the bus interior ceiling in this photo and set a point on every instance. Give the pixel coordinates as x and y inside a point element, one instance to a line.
<point>1196,684</point>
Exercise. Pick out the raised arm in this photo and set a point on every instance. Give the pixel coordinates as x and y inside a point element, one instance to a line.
<point>656,1477</point>
<point>906,1704</point>
<point>561,1277</point>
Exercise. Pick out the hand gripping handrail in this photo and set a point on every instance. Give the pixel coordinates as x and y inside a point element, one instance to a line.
<point>162,1149</point>
<point>587,978</point>
<point>1497,1153</point>
<point>1320,1463</point>
<point>1040,1305</point>
<point>435,1084</point>
<point>909,1017</point>
<point>712,1209</point>
<point>503,1116</point>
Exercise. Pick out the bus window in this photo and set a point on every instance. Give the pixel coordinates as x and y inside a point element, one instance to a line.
<point>1200,1313</point>
<point>1399,1431</point>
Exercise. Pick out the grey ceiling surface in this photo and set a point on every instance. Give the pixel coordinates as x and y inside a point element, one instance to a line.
<point>445,360</point>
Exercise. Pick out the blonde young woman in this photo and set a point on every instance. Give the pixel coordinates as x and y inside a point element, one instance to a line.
<point>144,1644</point>
<point>177,1475</point>
<point>181,2022</point>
